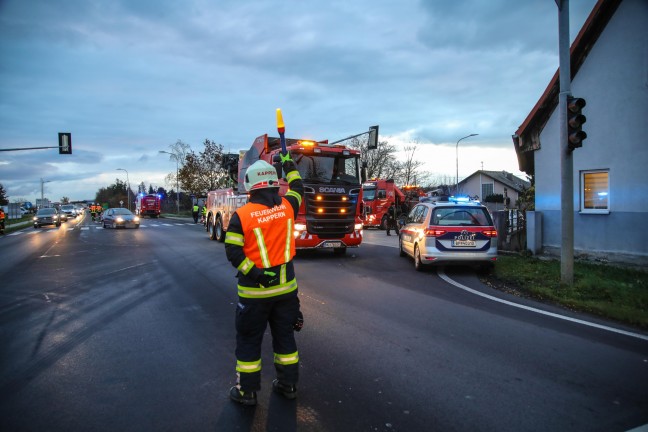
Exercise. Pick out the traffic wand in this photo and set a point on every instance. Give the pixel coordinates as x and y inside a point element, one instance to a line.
<point>281,128</point>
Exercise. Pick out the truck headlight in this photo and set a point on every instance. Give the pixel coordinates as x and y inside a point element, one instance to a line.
<point>357,226</point>
<point>300,227</point>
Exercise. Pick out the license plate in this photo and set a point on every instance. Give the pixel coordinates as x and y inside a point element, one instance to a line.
<point>463,243</point>
<point>332,244</point>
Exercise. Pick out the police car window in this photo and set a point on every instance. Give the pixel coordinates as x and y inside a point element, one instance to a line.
<point>424,214</point>
<point>416,214</point>
<point>462,216</point>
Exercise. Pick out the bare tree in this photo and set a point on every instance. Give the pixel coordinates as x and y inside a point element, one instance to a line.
<point>409,172</point>
<point>380,161</point>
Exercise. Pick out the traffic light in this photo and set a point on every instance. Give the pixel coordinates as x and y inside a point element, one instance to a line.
<point>575,120</point>
<point>372,142</point>
<point>65,143</point>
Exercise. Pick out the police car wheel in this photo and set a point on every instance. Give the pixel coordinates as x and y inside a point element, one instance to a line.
<point>418,264</point>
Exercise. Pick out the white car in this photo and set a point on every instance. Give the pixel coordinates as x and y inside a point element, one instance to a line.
<point>457,231</point>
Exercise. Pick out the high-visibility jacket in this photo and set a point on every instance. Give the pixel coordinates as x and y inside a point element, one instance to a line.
<point>271,233</point>
<point>195,209</point>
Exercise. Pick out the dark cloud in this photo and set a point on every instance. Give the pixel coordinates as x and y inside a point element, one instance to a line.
<point>129,78</point>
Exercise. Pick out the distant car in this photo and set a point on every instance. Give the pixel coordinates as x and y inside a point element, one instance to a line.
<point>68,210</point>
<point>47,216</point>
<point>457,231</point>
<point>120,217</point>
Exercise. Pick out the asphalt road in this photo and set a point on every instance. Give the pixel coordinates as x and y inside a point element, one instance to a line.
<point>133,330</point>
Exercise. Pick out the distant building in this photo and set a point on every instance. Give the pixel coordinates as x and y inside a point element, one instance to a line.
<point>609,68</point>
<point>482,183</point>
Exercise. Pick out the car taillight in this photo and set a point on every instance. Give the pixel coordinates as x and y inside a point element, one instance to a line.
<point>430,232</point>
<point>490,233</point>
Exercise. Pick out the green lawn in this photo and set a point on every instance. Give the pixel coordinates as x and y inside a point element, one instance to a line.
<point>612,292</point>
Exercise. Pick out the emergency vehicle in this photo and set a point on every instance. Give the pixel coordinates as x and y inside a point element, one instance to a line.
<point>221,205</point>
<point>331,213</point>
<point>378,195</point>
<point>147,205</point>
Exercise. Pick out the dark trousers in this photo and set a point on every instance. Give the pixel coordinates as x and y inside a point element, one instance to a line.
<point>195,216</point>
<point>392,225</point>
<point>251,322</point>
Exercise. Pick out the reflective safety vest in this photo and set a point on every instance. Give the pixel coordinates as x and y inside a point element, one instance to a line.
<point>268,233</point>
<point>195,209</point>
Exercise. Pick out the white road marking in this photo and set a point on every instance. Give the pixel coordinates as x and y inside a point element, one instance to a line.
<point>446,278</point>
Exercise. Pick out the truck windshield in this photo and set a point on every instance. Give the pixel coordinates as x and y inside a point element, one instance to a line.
<point>368,193</point>
<point>336,168</point>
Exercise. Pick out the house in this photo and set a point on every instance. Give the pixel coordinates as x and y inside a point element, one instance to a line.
<point>609,69</point>
<point>484,183</point>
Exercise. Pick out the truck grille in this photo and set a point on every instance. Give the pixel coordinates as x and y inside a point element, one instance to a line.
<point>330,215</point>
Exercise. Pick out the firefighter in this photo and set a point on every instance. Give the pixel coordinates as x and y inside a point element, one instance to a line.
<point>203,212</point>
<point>392,217</point>
<point>260,244</point>
<point>2,221</point>
<point>194,212</point>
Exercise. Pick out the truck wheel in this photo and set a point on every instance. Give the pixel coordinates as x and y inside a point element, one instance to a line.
<point>211,229</point>
<point>383,223</point>
<point>220,232</point>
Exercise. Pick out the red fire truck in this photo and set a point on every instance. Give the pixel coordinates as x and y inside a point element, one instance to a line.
<point>378,195</point>
<point>147,205</point>
<point>331,213</point>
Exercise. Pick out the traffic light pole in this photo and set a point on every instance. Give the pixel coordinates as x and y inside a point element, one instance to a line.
<point>566,157</point>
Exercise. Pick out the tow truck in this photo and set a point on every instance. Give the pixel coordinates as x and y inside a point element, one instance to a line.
<point>378,195</point>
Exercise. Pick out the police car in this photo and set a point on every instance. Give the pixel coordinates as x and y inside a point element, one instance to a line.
<point>455,231</point>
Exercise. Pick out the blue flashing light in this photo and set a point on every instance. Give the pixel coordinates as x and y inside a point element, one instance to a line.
<point>460,199</point>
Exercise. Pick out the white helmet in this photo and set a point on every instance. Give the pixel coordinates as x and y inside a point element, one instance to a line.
<point>260,175</point>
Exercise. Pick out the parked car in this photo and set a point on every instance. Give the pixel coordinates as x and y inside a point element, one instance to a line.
<point>47,216</point>
<point>120,217</point>
<point>457,231</point>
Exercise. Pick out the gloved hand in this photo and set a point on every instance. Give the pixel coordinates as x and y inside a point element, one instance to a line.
<point>299,323</point>
<point>285,157</point>
<point>268,278</point>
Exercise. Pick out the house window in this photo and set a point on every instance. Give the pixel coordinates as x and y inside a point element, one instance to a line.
<point>595,191</point>
<point>487,189</point>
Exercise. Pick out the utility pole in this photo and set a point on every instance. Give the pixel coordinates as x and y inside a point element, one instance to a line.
<point>566,157</point>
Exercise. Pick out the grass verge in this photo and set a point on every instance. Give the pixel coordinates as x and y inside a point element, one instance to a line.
<point>615,293</point>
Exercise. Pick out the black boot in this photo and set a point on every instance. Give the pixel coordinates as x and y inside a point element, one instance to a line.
<point>285,390</point>
<point>244,398</point>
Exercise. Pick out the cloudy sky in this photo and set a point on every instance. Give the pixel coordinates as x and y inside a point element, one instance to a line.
<point>130,77</point>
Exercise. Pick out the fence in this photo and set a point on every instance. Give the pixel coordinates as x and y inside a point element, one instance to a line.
<point>511,230</point>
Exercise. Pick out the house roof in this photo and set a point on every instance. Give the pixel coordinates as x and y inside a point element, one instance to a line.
<point>506,178</point>
<point>527,138</point>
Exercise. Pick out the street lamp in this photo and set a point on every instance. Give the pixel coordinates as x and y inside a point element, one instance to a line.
<point>128,185</point>
<point>42,190</point>
<point>457,155</point>
<point>175,156</point>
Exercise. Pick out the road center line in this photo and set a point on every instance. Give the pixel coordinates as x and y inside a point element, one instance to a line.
<point>446,278</point>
